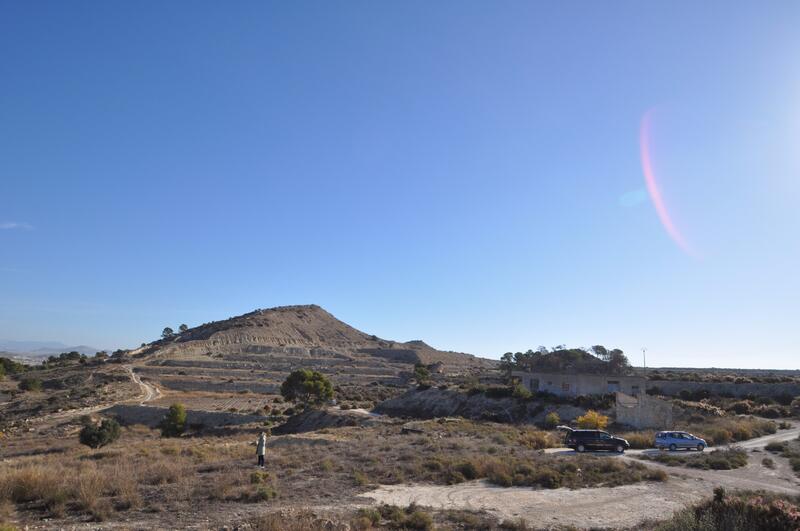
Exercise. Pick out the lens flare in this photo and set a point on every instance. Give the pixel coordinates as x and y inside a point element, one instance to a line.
<point>645,138</point>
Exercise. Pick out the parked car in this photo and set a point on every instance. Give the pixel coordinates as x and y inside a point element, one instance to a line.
<point>674,440</point>
<point>582,440</point>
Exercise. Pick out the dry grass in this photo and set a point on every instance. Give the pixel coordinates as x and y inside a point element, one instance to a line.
<point>715,430</point>
<point>716,460</point>
<point>174,476</point>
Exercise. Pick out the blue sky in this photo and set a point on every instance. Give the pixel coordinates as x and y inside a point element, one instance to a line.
<point>467,173</point>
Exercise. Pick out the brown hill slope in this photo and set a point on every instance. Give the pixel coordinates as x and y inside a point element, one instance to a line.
<point>225,363</point>
<point>300,330</point>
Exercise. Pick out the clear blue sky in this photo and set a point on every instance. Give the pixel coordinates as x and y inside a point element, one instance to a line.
<point>467,173</point>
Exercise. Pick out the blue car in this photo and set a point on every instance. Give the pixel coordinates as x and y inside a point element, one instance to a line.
<point>673,440</point>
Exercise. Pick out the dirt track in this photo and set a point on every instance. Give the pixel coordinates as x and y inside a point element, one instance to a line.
<point>149,392</point>
<point>624,506</point>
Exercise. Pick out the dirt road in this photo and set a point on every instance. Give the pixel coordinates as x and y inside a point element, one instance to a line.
<point>149,391</point>
<point>624,506</point>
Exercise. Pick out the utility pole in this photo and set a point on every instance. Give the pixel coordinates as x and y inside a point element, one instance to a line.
<point>644,362</point>
<point>644,359</point>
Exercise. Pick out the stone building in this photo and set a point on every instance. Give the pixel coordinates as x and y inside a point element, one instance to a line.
<point>566,384</point>
<point>644,411</point>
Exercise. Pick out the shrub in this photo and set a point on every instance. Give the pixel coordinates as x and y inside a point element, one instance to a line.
<point>735,512</point>
<point>741,408</point>
<point>784,399</point>
<point>551,420</point>
<point>592,420</point>
<point>30,384</point>
<point>174,422</point>
<point>476,390</point>
<point>767,462</point>
<point>421,373</point>
<point>418,520</point>
<point>716,460</point>
<point>521,392</point>
<point>468,470</point>
<point>97,436</point>
<point>497,391</point>
<point>307,387</point>
<point>718,436</point>
<point>640,440</point>
<point>775,446</point>
<point>371,514</point>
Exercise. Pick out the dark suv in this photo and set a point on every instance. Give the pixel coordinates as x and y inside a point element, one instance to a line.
<point>582,440</point>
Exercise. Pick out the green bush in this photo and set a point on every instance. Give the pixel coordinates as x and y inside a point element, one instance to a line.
<point>174,422</point>
<point>421,373</point>
<point>307,387</point>
<point>371,514</point>
<point>10,366</point>
<point>30,384</point>
<point>521,392</point>
<point>551,420</point>
<point>99,435</point>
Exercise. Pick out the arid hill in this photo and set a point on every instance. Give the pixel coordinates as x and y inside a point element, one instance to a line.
<point>301,330</point>
<point>254,352</point>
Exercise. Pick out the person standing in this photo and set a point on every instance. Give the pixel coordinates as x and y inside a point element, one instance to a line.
<point>261,448</point>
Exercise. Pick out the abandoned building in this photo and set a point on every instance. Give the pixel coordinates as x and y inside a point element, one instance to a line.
<point>644,411</point>
<point>565,384</point>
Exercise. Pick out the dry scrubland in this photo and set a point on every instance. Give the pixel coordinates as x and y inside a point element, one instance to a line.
<point>145,477</point>
<point>316,479</point>
<point>716,430</point>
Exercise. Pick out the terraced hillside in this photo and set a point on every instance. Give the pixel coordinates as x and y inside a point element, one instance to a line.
<point>253,353</point>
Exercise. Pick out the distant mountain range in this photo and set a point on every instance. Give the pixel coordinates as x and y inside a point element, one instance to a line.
<point>42,349</point>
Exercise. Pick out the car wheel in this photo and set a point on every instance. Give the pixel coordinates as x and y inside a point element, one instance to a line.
<point>672,447</point>
<point>620,449</point>
<point>701,447</point>
<point>581,448</point>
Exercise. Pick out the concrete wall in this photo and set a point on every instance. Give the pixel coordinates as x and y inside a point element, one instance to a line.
<point>674,387</point>
<point>644,411</point>
<point>580,384</point>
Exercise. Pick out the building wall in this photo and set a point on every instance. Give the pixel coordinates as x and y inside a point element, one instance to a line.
<point>674,387</point>
<point>644,412</point>
<point>580,384</point>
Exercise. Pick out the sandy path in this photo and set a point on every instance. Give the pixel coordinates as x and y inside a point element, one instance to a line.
<point>624,506</point>
<point>149,391</point>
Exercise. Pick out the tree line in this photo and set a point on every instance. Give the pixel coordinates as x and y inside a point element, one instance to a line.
<point>597,359</point>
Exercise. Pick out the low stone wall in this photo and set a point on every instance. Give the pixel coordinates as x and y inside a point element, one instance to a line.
<point>151,416</point>
<point>674,387</point>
